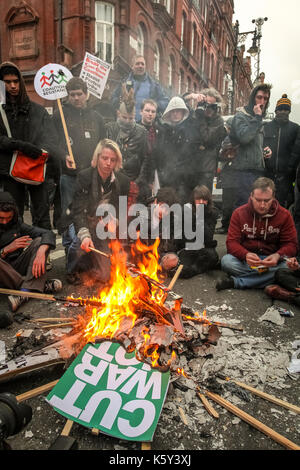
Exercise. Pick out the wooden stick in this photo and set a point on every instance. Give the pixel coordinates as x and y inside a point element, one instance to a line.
<point>146,446</point>
<point>175,277</point>
<point>183,417</point>
<point>208,406</point>
<point>32,295</point>
<point>66,132</point>
<point>268,397</point>
<point>210,322</point>
<point>36,391</point>
<point>173,280</point>
<point>252,421</point>
<point>50,319</point>
<point>99,252</point>
<point>67,428</point>
<point>58,325</point>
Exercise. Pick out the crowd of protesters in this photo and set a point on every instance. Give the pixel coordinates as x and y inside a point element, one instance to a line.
<point>157,151</point>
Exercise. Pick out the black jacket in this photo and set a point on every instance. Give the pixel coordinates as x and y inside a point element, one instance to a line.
<point>85,128</point>
<point>89,193</point>
<point>134,149</point>
<point>16,228</point>
<point>29,122</point>
<point>211,134</point>
<point>176,151</point>
<point>281,138</point>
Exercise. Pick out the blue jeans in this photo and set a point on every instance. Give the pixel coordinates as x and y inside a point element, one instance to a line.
<point>246,278</point>
<point>78,261</point>
<point>67,189</point>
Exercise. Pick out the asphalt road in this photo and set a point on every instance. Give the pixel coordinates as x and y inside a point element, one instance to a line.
<point>246,307</point>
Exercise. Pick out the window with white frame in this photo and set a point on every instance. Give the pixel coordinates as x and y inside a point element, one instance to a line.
<point>156,61</point>
<point>140,40</point>
<point>170,71</point>
<point>104,34</point>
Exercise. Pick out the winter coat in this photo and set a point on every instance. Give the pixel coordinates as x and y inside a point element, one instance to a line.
<point>177,147</point>
<point>263,235</point>
<point>90,192</point>
<point>247,131</point>
<point>211,134</point>
<point>281,138</point>
<point>86,129</point>
<point>29,123</point>
<point>134,149</point>
<point>143,89</point>
<point>16,228</point>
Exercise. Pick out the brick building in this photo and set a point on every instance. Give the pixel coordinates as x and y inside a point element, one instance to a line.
<point>188,44</point>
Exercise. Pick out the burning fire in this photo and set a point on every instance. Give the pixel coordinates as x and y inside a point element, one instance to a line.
<point>125,297</point>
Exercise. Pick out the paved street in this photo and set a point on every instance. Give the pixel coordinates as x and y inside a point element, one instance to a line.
<point>226,433</point>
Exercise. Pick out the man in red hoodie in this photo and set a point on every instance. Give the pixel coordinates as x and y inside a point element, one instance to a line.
<point>261,236</point>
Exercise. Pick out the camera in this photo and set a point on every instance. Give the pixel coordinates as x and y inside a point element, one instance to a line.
<point>14,416</point>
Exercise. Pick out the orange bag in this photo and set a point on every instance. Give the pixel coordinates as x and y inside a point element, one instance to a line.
<point>28,170</point>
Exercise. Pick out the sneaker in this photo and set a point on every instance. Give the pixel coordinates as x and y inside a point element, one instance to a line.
<point>15,301</point>
<point>226,283</point>
<point>53,285</point>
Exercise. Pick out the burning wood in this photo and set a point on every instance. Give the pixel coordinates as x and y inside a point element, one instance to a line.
<point>132,310</point>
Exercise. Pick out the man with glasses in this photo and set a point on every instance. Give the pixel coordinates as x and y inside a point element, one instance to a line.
<point>261,236</point>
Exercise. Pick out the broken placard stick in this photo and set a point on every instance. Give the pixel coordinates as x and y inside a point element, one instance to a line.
<point>266,396</point>
<point>40,296</point>
<point>50,319</point>
<point>36,391</point>
<point>210,322</point>
<point>252,421</point>
<point>67,428</point>
<point>173,280</point>
<point>146,446</point>
<point>99,252</point>
<point>208,406</point>
<point>57,325</point>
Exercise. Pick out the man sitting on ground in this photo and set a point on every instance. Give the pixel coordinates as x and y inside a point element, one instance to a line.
<point>287,285</point>
<point>260,235</point>
<point>23,253</point>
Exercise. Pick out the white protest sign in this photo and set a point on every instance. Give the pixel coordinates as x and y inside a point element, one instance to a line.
<point>50,81</point>
<point>95,73</point>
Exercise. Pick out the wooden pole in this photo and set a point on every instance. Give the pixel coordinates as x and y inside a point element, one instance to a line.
<point>100,252</point>
<point>208,406</point>
<point>66,132</point>
<point>268,397</point>
<point>252,421</point>
<point>36,391</point>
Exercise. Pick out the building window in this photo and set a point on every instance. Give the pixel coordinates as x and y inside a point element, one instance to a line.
<point>104,35</point>
<point>140,40</point>
<point>170,71</point>
<point>156,64</point>
<point>181,82</point>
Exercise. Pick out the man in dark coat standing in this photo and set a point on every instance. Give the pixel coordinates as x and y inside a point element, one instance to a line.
<point>280,136</point>
<point>32,130</point>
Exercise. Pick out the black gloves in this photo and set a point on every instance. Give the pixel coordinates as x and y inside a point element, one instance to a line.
<point>27,148</point>
<point>30,150</point>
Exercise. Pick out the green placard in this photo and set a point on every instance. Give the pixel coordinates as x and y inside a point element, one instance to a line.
<point>109,389</point>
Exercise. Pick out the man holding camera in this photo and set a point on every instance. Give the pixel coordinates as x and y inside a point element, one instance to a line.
<point>212,134</point>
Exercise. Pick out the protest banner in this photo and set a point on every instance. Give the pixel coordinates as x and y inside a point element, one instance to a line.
<point>108,389</point>
<point>2,92</point>
<point>50,83</point>
<point>95,73</point>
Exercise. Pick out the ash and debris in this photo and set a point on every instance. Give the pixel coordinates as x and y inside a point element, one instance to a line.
<point>208,355</point>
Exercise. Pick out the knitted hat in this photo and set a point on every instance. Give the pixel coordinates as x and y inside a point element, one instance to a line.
<point>283,103</point>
